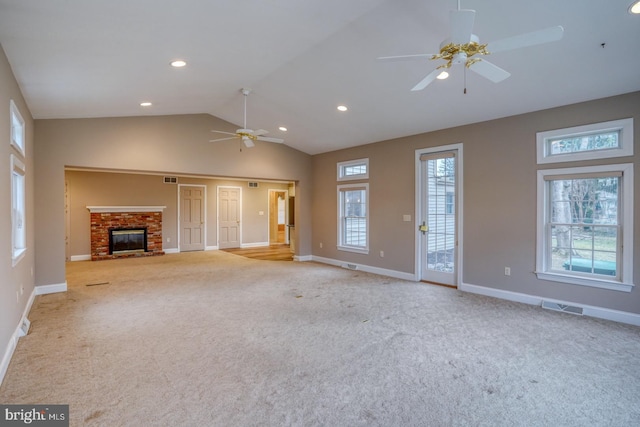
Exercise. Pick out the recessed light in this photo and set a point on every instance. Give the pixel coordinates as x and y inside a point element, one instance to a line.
<point>635,7</point>
<point>443,75</point>
<point>146,104</point>
<point>342,108</point>
<point>178,63</point>
<point>283,129</point>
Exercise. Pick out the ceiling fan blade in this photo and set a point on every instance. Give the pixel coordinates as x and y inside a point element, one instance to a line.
<point>461,25</point>
<point>406,57</point>
<point>528,39</point>
<point>248,142</point>
<point>269,139</point>
<point>222,139</point>
<point>490,71</point>
<point>226,133</point>
<point>427,80</point>
<point>260,132</point>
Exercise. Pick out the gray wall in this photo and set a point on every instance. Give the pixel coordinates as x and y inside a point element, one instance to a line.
<point>154,144</point>
<point>499,200</point>
<point>13,279</point>
<point>90,188</point>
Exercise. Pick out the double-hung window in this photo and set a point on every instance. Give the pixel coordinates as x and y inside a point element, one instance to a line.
<point>585,215</point>
<point>19,232</point>
<point>18,185</point>
<point>353,217</point>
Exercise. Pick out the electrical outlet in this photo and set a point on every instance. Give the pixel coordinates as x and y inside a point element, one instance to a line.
<point>381,254</point>
<point>168,239</point>
<point>320,245</point>
<point>507,271</point>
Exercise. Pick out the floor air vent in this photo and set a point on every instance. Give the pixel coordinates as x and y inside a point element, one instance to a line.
<point>562,307</point>
<point>350,266</point>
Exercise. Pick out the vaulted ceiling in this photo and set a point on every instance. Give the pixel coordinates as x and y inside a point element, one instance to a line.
<point>301,59</point>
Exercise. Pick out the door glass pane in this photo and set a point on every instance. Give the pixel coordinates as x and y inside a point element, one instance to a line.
<point>440,250</point>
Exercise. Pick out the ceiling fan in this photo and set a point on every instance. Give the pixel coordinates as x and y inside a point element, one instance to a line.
<point>463,47</point>
<point>247,136</point>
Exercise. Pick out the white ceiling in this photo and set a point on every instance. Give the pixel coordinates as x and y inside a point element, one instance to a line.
<point>79,58</point>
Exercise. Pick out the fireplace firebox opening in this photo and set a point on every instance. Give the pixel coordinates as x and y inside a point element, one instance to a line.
<point>127,240</point>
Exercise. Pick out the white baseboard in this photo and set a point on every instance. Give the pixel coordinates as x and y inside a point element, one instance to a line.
<point>50,289</point>
<point>171,251</point>
<point>13,340</point>
<point>80,258</point>
<point>303,258</point>
<point>588,310</point>
<point>369,269</point>
<point>254,245</point>
<point>211,248</point>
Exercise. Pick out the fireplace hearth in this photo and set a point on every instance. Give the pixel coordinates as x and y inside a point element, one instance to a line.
<point>127,240</point>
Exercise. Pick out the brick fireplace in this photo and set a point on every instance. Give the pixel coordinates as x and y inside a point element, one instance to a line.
<point>105,219</point>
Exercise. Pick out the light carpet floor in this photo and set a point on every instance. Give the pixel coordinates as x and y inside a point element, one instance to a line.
<point>214,339</point>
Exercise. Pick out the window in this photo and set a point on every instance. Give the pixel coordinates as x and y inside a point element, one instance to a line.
<point>17,129</point>
<point>585,226</point>
<point>353,219</point>
<point>18,218</point>
<point>353,169</point>
<point>595,141</point>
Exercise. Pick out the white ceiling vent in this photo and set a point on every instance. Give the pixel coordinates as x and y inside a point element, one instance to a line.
<point>549,305</point>
<point>170,180</point>
<point>252,184</point>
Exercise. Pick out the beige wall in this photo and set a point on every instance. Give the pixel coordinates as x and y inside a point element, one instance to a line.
<point>499,200</point>
<point>164,145</point>
<point>13,278</point>
<point>92,188</point>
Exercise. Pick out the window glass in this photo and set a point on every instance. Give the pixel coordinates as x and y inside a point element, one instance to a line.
<point>18,207</point>
<point>17,129</point>
<point>353,218</point>
<point>587,142</point>
<point>585,226</point>
<point>353,169</point>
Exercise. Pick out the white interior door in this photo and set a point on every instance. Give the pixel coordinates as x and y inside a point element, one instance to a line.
<point>437,230</point>
<point>229,217</point>
<point>192,219</point>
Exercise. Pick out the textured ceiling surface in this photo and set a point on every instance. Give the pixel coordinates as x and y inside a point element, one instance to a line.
<point>78,58</point>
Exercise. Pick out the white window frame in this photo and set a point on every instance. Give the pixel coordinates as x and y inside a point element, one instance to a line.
<point>543,271</point>
<point>18,210</point>
<point>342,166</point>
<point>17,129</point>
<point>623,126</point>
<point>341,245</point>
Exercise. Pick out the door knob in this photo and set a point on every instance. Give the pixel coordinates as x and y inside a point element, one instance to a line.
<point>423,228</point>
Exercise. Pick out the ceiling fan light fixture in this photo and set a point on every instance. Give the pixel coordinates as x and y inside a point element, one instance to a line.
<point>443,75</point>
<point>634,8</point>
<point>283,129</point>
<point>342,108</point>
<point>146,104</point>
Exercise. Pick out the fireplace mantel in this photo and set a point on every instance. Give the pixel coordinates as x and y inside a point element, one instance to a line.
<point>114,209</point>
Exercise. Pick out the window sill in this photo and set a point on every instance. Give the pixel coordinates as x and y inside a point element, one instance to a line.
<point>584,281</point>
<point>18,254</point>
<point>353,249</point>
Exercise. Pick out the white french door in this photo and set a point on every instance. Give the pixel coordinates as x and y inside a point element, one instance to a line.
<point>438,223</point>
